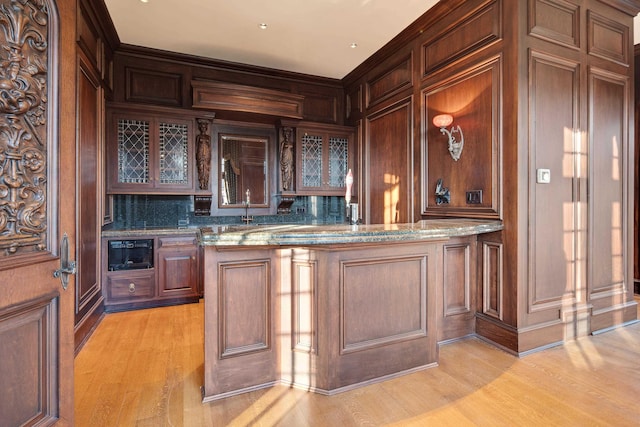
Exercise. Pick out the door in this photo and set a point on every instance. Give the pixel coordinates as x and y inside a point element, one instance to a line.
<point>37,206</point>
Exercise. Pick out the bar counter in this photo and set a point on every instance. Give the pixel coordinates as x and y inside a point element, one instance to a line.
<point>297,234</point>
<point>328,308</point>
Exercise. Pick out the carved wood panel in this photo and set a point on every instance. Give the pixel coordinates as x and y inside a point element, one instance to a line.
<point>25,127</point>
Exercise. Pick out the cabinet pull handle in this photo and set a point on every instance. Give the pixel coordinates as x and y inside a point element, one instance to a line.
<point>132,287</point>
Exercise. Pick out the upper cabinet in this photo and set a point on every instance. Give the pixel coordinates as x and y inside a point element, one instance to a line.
<point>150,153</point>
<point>323,158</point>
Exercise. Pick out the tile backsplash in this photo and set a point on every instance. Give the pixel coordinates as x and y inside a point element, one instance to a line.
<point>138,211</point>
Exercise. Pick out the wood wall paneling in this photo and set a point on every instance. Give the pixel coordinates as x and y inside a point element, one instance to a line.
<point>554,224</point>
<point>608,132</point>
<point>391,81</point>
<point>153,87</point>
<point>89,124</point>
<point>469,34</point>
<point>388,172</point>
<point>608,39</point>
<point>472,97</point>
<point>557,21</point>
<point>29,355</point>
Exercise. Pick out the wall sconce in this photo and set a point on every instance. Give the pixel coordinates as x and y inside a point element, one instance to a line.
<point>455,147</point>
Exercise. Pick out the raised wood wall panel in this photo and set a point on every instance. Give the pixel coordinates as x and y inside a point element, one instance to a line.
<point>153,87</point>
<point>608,39</point>
<point>245,293</point>
<point>458,289</point>
<point>609,133</point>
<point>353,102</point>
<point>557,21</point>
<point>482,27</point>
<point>320,107</point>
<point>305,306</point>
<point>88,38</point>
<point>383,301</point>
<point>472,97</point>
<point>242,353</point>
<point>492,284</point>
<point>89,124</point>
<point>246,99</point>
<point>391,81</point>
<point>29,358</point>
<point>388,173</point>
<point>554,210</point>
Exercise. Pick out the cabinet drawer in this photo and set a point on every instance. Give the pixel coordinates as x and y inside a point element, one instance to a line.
<point>177,241</point>
<point>125,286</point>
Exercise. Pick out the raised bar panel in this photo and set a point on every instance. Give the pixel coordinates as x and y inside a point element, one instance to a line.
<point>244,294</point>
<point>383,301</point>
<point>556,21</point>
<point>28,363</point>
<point>476,31</point>
<point>458,289</point>
<point>607,39</point>
<point>305,308</point>
<point>457,279</point>
<point>492,283</point>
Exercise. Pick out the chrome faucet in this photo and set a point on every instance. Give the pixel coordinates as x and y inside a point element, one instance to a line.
<point>246,218</point>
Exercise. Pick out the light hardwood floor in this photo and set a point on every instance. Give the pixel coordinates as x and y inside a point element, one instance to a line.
<point>145,368</point>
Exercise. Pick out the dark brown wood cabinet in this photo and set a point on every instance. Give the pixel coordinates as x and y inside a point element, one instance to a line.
<point>174,278</point>
<point>323,158</point>
<point>177,266</point>
<point>150,153</point>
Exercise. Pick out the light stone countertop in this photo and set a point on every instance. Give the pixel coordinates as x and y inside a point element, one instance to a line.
<point>301,234</point>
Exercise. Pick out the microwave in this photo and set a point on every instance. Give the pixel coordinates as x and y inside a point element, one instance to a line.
<point>132,254</point>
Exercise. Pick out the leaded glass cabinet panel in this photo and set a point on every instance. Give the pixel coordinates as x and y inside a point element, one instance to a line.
<point>323,159</point>
<point>150,153</point>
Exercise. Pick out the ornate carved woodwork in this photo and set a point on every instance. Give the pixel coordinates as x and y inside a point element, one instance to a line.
<point>24,126</point>
<point>287,168</point>
<point>203,153</point>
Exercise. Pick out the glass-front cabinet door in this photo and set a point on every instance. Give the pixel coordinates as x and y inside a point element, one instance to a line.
<point>150,153</point>
<point>323,159</point>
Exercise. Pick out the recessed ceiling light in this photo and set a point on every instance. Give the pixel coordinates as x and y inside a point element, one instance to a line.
<point>353,45</point>
<point>144,1</point>
<point>262,26</point>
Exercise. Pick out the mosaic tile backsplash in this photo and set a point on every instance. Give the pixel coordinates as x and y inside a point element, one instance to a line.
<point>139,211</point>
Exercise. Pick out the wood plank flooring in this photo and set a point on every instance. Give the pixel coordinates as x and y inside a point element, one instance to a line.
<point>145,368</point>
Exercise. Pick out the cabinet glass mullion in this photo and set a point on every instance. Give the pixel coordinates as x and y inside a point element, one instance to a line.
<point>311,166</point>
<point>338,161</point>
<point>133,151</point>
<point>174,159</point>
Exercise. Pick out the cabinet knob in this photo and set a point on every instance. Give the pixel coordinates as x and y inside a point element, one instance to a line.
<point>132,287</point>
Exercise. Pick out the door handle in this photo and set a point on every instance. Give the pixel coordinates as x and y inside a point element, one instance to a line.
<point>67,267</point>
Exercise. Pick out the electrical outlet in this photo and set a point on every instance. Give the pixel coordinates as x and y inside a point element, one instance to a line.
<point>301,209</point>
<point>474,197</point>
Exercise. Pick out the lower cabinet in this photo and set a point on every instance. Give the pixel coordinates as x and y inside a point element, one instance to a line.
<point>172,278</point>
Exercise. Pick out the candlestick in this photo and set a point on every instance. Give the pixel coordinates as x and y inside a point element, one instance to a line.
<point>349,182</point>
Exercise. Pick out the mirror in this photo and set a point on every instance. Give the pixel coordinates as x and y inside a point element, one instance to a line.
<point>243,166</point>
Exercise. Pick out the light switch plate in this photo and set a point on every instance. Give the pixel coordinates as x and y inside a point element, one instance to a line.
<point>543,176</point>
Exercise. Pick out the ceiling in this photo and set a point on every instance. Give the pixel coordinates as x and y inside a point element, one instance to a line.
<point>304,36</point>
